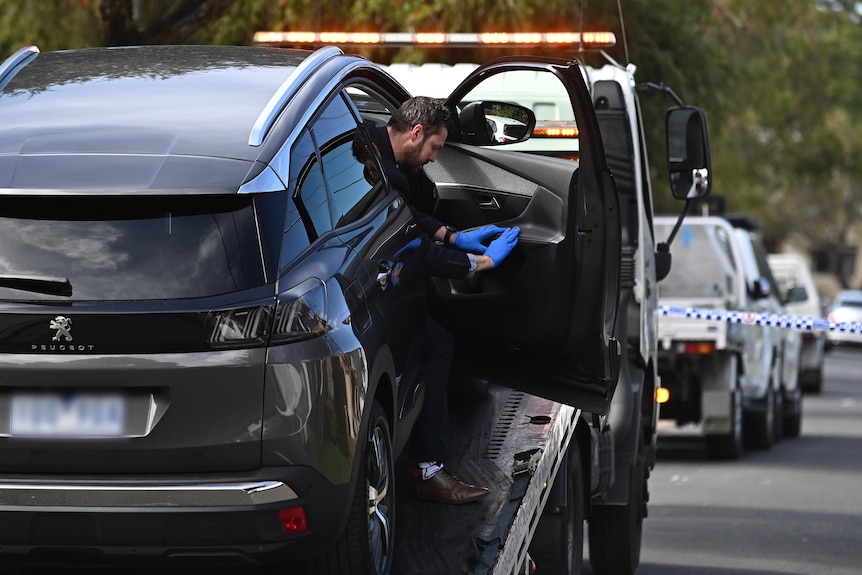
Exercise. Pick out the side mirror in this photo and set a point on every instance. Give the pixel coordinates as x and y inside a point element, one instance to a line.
<point>492,123</point>
<point>796,294</point>
<point>689,162</point>
<point>760,288</point>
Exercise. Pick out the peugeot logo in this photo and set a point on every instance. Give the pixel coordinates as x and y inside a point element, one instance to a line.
<point>63,325</point>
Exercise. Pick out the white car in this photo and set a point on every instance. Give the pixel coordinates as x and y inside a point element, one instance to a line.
<point>801,299</point>
<point>846,309</point>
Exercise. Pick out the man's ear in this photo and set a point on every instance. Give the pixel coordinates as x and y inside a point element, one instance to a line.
<point>416,132</point>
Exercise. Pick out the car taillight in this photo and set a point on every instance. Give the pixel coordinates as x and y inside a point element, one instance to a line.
<point>300,312</point>
<point>699,347</point>
<point>248,326</point>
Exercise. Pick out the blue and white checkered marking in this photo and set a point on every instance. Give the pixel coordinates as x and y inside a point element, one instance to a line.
<point>750,318</point>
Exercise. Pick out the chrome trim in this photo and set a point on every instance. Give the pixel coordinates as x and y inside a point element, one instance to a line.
<point>252,186</point>
<point>15,62</point>
<point>288,88</point>
<point>149,495</point>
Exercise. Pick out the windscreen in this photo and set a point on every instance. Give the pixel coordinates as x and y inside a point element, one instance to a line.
<point>702,262</point>
<point>132,248</point>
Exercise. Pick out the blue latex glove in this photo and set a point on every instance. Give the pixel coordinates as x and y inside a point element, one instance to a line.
<point>503,246</point>
<point>474,240</point>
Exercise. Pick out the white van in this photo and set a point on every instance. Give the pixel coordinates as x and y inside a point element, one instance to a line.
<point>802,299</point>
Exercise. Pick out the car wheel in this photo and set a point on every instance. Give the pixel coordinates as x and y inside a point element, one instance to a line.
<point>793,415</point>
<point>558,545</point>
<point>615,531</point>
<point>760,428</point>
<point>366,546</point>
<point>814,382</point>
<point>778,418</point>
<point>729,445</point>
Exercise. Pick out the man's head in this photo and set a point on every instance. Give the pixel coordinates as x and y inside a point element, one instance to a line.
<point>418,130</point>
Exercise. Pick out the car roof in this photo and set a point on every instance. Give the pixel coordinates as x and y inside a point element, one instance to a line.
<point>158,107</point>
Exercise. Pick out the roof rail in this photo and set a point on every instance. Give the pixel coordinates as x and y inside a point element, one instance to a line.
<point>15,62</point>
<point>290,86</point>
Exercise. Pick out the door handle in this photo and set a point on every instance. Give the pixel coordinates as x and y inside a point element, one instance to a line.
<point>384,272</point>
<point>489,204</point>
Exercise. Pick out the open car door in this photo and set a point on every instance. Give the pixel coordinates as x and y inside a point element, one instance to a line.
<point>542,321</point>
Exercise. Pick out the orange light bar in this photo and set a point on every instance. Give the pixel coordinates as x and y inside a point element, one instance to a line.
<point>432,38</point>
<point>662,395</point>
<point>586,40</point>
<point>546,129</point>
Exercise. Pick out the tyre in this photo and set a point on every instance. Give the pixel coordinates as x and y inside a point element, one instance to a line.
<point>558,544</point>
<point>729,446</point>
<point>760,428</point>
<point>778,419</point>
<point>367,545</point>
<point>615,530</point>
<point>793,415</point>
<point>813,382</point>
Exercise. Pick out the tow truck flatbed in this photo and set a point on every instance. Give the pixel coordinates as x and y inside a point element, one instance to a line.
<point>509,441</point>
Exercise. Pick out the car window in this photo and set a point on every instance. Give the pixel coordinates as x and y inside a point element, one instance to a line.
<point>116,248</point>
<point>332,186</point>
<point>556,130</point>
<point>703,264</point>
<point>310,192</point>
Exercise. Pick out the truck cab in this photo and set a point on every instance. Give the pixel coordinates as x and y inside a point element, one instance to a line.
<point>620,443</point>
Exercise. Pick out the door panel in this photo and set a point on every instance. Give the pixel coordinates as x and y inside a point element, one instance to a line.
<point>519,316</point>
<point>544,320</point>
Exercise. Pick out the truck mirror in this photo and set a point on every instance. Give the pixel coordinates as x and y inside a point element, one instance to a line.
<point>689,162</point>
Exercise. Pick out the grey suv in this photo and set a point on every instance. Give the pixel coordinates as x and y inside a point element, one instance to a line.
<point>202,356</point>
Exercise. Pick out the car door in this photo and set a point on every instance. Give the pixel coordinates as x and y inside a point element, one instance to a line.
<point>543,321</point>
<point>341,197</point>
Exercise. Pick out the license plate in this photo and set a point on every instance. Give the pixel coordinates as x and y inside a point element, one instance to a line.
<point>76,415</point>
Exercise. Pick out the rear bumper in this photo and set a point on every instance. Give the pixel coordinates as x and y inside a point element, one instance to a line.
<point>203,521</point>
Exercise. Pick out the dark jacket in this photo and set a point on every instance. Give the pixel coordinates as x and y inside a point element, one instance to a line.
<point>439,261</point>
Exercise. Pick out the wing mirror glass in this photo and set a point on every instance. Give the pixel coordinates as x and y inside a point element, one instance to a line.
<point>689,162</point>
<point>492,123</point>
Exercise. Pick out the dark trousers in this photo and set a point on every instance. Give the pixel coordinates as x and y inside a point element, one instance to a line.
<point>432,434</point>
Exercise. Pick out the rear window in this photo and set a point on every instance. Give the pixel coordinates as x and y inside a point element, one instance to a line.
<point>853,300</point>
<point>136,248</point>
<point>702,262</point>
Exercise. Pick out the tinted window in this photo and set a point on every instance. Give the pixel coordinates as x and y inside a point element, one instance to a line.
<point>310,190</point>
<point>337,189</point>
<point>136,248</point>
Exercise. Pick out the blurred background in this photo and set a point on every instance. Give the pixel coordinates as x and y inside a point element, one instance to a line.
<point>777,78</point>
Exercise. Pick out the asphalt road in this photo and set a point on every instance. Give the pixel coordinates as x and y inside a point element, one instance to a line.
<point>794,509</point>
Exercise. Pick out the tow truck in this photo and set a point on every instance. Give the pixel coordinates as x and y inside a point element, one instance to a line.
<point>564,461</point>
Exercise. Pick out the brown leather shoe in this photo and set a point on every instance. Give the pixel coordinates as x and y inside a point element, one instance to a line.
<point>444,487</point>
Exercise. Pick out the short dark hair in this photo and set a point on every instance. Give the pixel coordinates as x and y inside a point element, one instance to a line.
<point>430,113</point>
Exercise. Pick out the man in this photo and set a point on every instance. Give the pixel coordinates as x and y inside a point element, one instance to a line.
<point>413,137</point>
